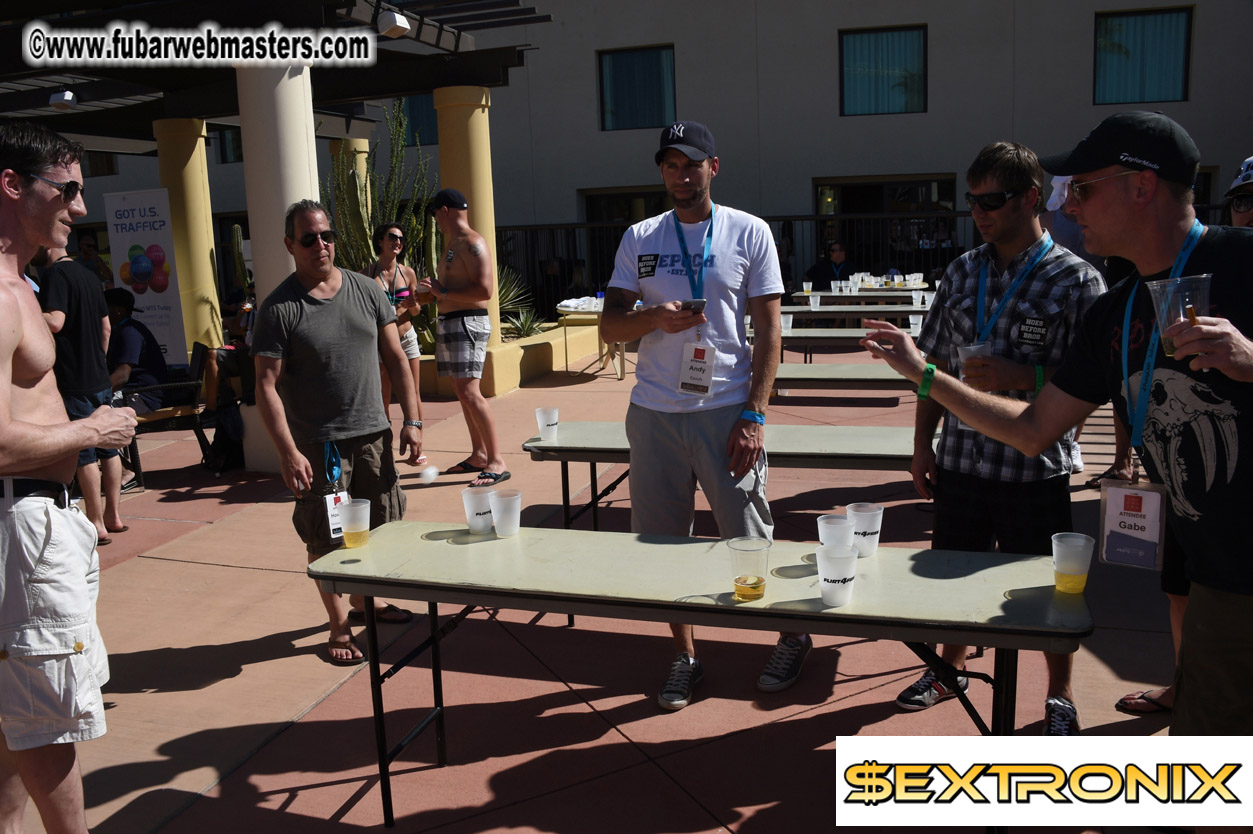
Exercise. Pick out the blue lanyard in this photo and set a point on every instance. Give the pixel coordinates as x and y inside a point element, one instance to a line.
<point>696,280</point>
<point>331,463</point>
<point>1135,413</point>
<point>985,330</point>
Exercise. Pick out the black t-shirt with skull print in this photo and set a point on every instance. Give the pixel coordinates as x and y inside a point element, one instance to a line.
<point>1198,422</point>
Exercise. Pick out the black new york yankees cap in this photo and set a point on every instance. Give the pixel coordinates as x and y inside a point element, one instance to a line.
<point>693,139</point>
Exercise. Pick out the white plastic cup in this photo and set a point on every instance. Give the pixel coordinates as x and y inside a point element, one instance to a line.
<point>1072,556</point>
<point>915,324</point>
<point>478,506</point>
<point>867,524</point>
<point>506,507</point>
<point>835,287</point>
<point>354,518</point>
<point>814,301</point>
<point>546,419</point>
<point>967,352</point>
<point>807,286</point>
<point>916,295</point>
<point>835,529</point>
<point>837,570</point>
<point>927,298</point>
<point>785,319</point>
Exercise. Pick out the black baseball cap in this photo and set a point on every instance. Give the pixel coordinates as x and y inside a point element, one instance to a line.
<point>693,139</point>
<point>1137,139</point>
<point>449,198</point>
<point>118,297</point>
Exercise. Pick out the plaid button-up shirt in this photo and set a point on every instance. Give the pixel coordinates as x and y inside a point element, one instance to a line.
<point>1035,328</point>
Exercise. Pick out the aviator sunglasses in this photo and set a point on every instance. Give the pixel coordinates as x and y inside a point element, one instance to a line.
<point>395,238</point>
<point>311,238</point>
<point>69,190</point>
<point>991,201</point>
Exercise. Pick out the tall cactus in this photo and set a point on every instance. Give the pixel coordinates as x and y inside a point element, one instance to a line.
<point>237,252</point>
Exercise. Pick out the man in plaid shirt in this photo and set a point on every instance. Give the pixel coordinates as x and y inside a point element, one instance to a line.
<point>1020,296</point>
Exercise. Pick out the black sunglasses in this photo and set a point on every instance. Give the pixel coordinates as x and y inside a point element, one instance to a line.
<point>69,190</point>
<point>392,236</point>
<point>991,201</point>
<point>309,239</point>
<point>1242,202</point>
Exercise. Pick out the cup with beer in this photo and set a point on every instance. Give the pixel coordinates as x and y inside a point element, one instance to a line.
<point>750,555</point>
<point>354,516</point>
<point>1171,299</point>
<point>1072,554</point>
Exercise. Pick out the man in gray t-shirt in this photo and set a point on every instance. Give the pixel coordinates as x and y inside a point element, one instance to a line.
<point>317,342</point>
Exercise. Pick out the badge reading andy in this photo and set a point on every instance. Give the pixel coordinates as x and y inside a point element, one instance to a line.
<point>696,372</point>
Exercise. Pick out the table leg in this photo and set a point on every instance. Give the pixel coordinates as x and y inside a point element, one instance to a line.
<point>376,698</point>
<point>565,493</point>
<point>1004,691</point>
<point>437,684</point>
<point>595,499</point>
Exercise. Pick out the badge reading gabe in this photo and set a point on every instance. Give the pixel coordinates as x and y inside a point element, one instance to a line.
<point>646,265</point>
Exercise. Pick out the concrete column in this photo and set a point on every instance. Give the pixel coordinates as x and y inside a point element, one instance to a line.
<point>280,168</point>
<point>465,163</point>
<point>185,175</point>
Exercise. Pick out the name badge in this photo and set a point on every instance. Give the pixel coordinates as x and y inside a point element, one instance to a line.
<point>696,372</point>
<point>1132,524</point>
<point>332,513</point>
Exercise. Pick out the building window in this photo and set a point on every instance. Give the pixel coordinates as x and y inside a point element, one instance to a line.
<point>230,145</point>
<point>883,71</point>
<point>421,127</point>
<point>99,164</point>
<point>1142,56</point>
<point>637,88</point>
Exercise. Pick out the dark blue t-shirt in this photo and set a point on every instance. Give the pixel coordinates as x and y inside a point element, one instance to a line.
<point>133,344</point>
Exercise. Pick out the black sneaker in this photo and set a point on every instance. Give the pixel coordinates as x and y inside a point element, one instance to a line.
<point>927,691</point>
<point>1060,717</point>
<point>685,673</point>
<point>784,666</point>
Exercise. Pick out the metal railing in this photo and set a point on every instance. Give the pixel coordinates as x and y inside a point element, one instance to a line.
<point>575,260</point>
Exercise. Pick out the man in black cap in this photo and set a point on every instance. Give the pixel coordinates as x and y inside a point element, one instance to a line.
<point>462,288</point>
<point>134,356</point>
<point>697,411</point>
<point>1188,413</point>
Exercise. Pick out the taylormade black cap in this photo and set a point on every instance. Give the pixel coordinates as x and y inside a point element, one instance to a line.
<point>693,139</point>
<point>1137,139</point>
<point>449,198</point>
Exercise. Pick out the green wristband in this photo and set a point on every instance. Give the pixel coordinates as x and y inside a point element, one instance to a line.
<point>924,385</point>
<point>1039,378</point>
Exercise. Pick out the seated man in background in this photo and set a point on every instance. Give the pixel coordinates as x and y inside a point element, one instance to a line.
<point>134,358</point>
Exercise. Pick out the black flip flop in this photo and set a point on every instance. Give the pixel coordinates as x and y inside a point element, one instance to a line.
<point>493,478</point>
<point>389,614</point>
<point>464,468</point>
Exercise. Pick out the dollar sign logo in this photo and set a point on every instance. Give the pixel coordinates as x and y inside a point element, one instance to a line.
<point>870,777</point>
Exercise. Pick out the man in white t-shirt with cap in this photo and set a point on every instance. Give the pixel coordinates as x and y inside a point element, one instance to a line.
<point>697,412</point>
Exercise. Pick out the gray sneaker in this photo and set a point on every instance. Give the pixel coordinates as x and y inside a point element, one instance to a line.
<point>927,691</point>
<point>685,673</point>
<point>1060,717</point>
<point>784,666</point>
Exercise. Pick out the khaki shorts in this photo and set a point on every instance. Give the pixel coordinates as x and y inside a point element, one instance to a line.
<point>368,471</point>
<point>671,453</point>
<point>50,679</point>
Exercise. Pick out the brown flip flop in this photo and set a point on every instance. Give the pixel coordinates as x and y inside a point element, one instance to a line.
<point>347,645</point>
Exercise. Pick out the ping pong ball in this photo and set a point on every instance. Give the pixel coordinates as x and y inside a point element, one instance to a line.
<point>429,474</point>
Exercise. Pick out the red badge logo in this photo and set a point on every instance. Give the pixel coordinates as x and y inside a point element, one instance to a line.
<point>698,353</point>
<point>1133,503</point>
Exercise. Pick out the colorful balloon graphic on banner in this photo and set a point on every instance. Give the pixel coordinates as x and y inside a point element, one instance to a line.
<point>146,268</point>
